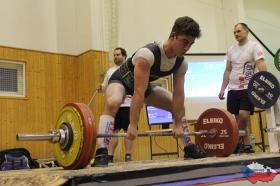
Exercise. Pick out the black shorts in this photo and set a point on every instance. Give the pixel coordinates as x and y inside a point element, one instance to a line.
<point>122,119</point>
<point>239,100</point>
<point>126,78</point>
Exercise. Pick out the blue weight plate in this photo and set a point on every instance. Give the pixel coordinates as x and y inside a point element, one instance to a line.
<point>263,89</point>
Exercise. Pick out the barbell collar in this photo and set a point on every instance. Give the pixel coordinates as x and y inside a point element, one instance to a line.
<point>53,136</point>
<point>242,132</point>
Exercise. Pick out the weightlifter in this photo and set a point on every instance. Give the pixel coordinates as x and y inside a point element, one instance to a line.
<point>122,116</point>
<point>149,63</point>
<point>242,60</point>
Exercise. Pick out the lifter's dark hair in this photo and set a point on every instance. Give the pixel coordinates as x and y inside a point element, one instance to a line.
<point>123,51</point>
<point>186,26</point>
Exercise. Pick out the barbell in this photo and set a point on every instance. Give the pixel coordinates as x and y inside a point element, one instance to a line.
<point>74,136</point>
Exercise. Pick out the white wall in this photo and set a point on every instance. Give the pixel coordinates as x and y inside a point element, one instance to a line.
<point>100,16</point>
<point>74,30</point>
<point>63,26</point>
<point>145,21</point>
<point>263,18</point>
<point>28,24</point>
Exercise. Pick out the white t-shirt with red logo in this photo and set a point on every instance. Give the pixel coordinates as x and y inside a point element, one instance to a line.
<point>243,61</point>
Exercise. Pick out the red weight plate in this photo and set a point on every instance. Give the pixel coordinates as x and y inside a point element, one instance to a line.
<point>89,130</point>
<point>227,133</point>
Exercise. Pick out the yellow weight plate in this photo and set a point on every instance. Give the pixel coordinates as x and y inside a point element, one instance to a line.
<point>66,158</point>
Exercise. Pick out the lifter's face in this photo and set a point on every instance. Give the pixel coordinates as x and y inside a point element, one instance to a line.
<point>118,57</point>
<point>240,33</point>
<point>182,43</point>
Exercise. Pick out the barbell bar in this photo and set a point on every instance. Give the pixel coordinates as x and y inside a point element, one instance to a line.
<point>57,135</point>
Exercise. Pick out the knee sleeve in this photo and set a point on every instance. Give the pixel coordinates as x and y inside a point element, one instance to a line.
<point>186,139</point>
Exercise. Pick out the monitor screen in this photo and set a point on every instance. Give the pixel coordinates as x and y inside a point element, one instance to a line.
<point>204,76</point>
<point>156,116</point>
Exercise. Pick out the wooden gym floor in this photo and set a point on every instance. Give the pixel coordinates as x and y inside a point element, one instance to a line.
<point>150,172</point>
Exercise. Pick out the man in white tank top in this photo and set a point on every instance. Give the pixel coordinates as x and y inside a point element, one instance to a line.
<point>242,60</point>
<point>122,116</point>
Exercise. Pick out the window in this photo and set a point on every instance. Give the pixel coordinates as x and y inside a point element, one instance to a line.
<point>12,78</point>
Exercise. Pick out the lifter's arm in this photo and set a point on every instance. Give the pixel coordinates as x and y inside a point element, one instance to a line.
<point>178,102</point>
<point>141,79</point>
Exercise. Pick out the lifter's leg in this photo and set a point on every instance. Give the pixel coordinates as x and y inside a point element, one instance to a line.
<point>114,96</point>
